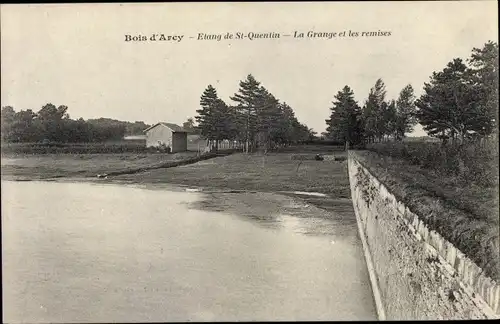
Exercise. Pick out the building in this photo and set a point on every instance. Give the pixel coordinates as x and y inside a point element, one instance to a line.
<point>167,134</point>
<point>135,138</point>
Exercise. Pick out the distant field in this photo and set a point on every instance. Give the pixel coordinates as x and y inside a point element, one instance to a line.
<point>294,170</point>
<point>272,172</point>
<point>70,165</point>
<point>312,148</point>
<point>43,166</point>
<point>124,146</point>
<point>133,144</point>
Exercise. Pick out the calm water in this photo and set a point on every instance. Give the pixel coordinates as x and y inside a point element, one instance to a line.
<point>78,252</point>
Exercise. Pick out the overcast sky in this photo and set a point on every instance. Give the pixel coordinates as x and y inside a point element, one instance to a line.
<point>76,55</point>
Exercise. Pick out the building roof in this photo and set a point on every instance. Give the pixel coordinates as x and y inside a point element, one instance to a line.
<point>175,128</point>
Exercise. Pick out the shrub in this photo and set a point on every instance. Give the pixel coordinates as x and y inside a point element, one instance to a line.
<point>163,148</point>
<point>72,148</point>
<point>471,161</point>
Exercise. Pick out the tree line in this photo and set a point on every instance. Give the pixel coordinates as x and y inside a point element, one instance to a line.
<point>458,103</point>
<point>53,124</point>
<point>256,118</point>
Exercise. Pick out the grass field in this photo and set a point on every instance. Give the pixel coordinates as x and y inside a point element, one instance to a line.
<point>272,172</point>
<point>45,166</point>
<point>294,170</point>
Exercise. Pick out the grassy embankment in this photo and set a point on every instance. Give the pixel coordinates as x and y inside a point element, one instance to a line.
<point>454,190</point>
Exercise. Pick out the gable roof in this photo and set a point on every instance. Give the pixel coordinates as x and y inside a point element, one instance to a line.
<point>175,128</point>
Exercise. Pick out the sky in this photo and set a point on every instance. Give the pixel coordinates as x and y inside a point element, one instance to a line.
<point>76,54</point>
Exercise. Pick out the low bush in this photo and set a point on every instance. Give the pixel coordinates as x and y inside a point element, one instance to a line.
<point>471,162</point>
<point>74,148</point>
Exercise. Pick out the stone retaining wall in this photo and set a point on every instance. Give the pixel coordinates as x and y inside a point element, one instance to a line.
<point>418,274</point>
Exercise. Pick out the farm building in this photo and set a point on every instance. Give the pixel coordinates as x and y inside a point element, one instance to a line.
<point>167,134</point>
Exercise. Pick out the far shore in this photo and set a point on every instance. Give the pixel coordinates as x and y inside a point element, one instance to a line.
<point>283,173</point>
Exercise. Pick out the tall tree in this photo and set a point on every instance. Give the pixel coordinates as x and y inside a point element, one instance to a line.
<point>389,119</point>
<point>135,128</point>
<point>373,112</point>
<point>451,106</point>
<point>247,99</point>
<point>24,128</point>
<point>223,121</point>
<point>216,120</point>
<point>54,124</point>
<point>7,119</point>
<point>189,126</point>
<point>483,75</point>
<point>302,133</point>
<point>206,114</point>
<point>103,129</point>
<point>405,112</point>
<point>285,131</point>
<point>344,122</point>
<point>269,115</point>
<point>51,121</point>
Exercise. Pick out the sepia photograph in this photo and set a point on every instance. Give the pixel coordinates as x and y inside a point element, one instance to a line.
<point>249,161</point>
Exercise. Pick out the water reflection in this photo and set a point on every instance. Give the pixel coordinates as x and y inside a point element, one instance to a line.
<point>76,252</point>
<point>279,211</point>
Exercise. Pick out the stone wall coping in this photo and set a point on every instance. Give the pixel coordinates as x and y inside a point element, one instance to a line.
<point>481,288</point>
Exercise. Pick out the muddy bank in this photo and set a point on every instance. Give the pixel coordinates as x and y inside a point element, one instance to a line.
<point>50,166</point>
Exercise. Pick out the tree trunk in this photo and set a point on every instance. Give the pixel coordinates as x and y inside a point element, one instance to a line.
<point>248,130</point>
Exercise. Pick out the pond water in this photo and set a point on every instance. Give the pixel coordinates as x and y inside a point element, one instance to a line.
<point>82,252</point>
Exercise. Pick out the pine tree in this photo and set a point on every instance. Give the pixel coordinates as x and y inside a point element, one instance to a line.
<point>483,75</point>
<point>206,118</point>
<point>285,130</point>
<point>451,104</point>
<point>216,120</point>
<point>343,123</point>
<point>405,112</point>
<point>189,126</point>
<point>222,126</point>
<point>269,118</point>
<point>247,101</point>
<point>389,119</point>
<point>373,112</point>
<point>7,120</point>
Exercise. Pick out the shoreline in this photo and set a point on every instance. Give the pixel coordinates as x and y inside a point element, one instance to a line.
<point>324,184</point>
<point>175,186</point>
